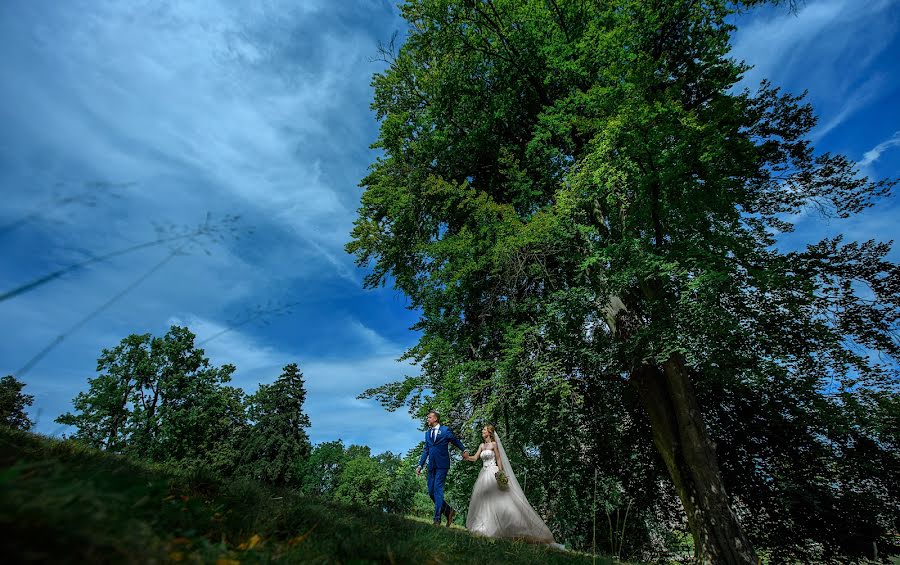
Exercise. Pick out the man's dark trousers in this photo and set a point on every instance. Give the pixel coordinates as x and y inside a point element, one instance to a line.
<point>436,480</point>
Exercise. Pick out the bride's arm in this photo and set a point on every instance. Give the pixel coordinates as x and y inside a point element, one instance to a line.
<point>475,457</point>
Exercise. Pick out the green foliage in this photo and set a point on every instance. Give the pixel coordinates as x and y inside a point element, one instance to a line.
<point>159,399</point>
<point>13,403</point>
<point>63,502</point>
<point>323,469</point>
<point>277,444</point>
<point>571,192</point>
<point>354,476</point>
<point>363,481</point>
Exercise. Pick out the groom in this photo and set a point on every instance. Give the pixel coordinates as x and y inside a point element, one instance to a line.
<point>437,439</point>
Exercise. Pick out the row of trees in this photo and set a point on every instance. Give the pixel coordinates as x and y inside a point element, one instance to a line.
<point>158,399</point>
<point>353,475</point>
<point>585,209</point>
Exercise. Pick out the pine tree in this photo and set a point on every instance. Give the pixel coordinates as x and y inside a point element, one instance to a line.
<point>277,444</point>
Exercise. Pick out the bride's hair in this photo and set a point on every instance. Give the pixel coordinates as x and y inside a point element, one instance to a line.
<point>490,430</point>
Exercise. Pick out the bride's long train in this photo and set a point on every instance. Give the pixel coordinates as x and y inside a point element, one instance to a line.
<point>503,513</point>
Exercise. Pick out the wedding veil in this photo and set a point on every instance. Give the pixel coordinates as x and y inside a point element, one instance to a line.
<point>507,468</point>
<point>527,525</point>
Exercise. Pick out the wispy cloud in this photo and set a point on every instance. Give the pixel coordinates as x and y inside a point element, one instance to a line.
<point>874,154</point>
<point>862,96</point>
<point>179,97</point>
<point>828,48</point>
<point>332,384</point>
<point>840,52</point>
<point>259,109</point>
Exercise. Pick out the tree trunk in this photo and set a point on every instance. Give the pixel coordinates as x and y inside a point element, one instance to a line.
<point>690,457</point>
<point>117,419</point>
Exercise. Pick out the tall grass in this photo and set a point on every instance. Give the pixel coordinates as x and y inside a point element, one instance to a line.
<point>63,503</point>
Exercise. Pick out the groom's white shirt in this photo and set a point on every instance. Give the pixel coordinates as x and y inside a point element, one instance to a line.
<point>435,430</point>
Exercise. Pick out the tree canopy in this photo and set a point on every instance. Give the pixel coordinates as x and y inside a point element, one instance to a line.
<point>13,403</point>
<point>158,398</point>
<point>586,211</point>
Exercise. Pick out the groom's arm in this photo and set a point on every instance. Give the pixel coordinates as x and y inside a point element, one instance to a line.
<point>455,441</point>
<point>422,458</point>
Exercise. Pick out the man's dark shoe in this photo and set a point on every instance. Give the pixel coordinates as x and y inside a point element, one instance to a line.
<point>450,516</point>
<point>437,523</point>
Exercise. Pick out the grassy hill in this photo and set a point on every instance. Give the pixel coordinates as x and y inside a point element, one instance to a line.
<point>63,503</point>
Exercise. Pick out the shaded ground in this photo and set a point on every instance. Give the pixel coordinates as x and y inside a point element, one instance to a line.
<point>63,503</point>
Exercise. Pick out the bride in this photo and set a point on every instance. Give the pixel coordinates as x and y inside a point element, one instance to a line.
<point>501,512</point>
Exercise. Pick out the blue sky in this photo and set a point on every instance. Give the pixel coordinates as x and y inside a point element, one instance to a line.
<point>166,111</point>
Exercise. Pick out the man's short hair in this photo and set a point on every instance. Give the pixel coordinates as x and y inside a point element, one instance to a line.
<point>436,415</point>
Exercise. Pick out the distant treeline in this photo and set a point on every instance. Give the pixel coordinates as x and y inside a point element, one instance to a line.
<point>159,400</point>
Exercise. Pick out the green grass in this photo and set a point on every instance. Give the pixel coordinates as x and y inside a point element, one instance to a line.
<point>63,503</point>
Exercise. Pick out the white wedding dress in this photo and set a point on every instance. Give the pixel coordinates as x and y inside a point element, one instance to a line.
<point>503,513</point>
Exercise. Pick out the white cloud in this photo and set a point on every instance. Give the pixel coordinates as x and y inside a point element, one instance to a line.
<point>231,346</point>
<point>178,91</point>
<point>827,48</point>
<point>860,98</point>
<point>375,341</point>
<point>874,154</point>
<point>778,44</point>
<point>771,43</point>
<point>332,384</point>
<point>259,109</point>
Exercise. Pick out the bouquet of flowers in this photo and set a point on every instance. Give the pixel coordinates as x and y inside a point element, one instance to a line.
<point>502,480</point>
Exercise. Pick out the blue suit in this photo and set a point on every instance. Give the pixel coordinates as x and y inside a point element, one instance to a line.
<point>437,453</point>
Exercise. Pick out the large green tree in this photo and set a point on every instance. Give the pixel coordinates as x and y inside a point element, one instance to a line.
<point>353,475</point>
<point>322,471</point>
<point>577,198</point>
<point>159,398</point>
<point>277,445</point>
<point>376,481</point>
<point>13,403</point>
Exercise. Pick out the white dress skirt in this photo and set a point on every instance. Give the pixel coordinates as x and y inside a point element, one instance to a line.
<point>502,513</point>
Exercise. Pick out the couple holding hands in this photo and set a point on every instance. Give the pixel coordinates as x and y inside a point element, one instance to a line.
<point>497,507</point>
